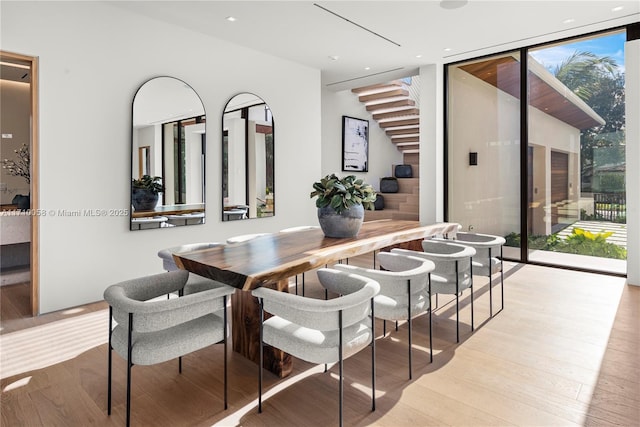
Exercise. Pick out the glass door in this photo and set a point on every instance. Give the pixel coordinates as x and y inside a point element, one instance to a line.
<point>483,149</point>
<point>576,154</point>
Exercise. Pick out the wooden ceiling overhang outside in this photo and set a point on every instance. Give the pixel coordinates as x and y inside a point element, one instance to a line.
<point>546,93</point>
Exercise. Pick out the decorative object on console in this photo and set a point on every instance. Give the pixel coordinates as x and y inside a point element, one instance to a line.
<point>403,171</point>
<point>145,192</point>
<point>341,203</point>
<point>389,185</point>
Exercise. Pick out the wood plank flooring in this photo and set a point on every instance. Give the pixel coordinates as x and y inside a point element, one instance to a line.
<point>564,351</point>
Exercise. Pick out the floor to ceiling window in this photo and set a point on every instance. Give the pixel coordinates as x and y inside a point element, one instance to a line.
<point>565,190</point>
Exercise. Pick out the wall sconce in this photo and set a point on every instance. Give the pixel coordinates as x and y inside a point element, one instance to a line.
<point>473,159</point>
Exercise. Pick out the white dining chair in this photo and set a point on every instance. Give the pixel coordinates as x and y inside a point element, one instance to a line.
<point>486,262</point>
<point>404,290</point>
<point>453,271</point>
<point>151,331</point>
<point>195,283</point>
<point>244,237</point>
<point>321,331</point>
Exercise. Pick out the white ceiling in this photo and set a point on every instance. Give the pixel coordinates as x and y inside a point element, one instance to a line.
<point>386,36</point>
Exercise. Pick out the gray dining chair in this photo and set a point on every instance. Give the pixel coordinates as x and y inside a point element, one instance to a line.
<point>404,290</point>
<point>453,272</point>
<point>486,262</point>
<point>195,283</point>
<point>150,330</point>
<point>321,331</point>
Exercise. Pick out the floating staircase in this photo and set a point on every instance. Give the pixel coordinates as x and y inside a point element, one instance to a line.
<point>392,107</point>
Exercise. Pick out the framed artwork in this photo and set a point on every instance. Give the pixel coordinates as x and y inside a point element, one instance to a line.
<point>355,144</point>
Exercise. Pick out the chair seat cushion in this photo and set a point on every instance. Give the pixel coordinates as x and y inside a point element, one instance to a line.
<point>312,345</point>
<point>395,308</point>
<point>447,284</point>
<point>481,267</point>
<point>156,347</point>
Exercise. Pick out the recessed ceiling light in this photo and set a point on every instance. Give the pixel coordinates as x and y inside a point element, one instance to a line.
<point>418,56</point>
<point>367,68</point>
<point>568,21</point>
<point>334,57</point>
<point>230,19</point>
<point>447,49</point>
<point>617,9</point>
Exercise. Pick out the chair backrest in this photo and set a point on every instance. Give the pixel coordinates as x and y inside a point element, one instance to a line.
<point>137,296</point>
<point>167,254</point>
<point>323,315</point>
<point>481,243</point>
<point>444,256</point>
<point>398,269</point>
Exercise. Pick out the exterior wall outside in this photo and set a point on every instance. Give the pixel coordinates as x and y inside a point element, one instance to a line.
<point>382,153</point>
<point>89,74</point>
<point>486,197</point>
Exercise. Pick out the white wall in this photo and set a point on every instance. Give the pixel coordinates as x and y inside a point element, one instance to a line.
<point>93,57</point>
<point>632,64</point>
<point>382,153</point>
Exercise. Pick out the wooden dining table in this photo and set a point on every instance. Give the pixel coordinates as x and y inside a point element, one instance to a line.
<point>270,260</point>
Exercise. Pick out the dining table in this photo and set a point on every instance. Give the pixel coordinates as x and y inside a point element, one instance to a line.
<point>271,259</point>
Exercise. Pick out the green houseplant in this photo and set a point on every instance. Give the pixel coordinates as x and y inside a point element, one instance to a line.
<point>145,192</point>
<point>341,203</point>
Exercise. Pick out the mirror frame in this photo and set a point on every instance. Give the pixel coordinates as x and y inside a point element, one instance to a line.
<point>193,213</point>
<point>270,206</point>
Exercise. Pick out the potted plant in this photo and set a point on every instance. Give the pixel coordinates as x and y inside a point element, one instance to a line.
<point>341,203</point>
<point>145,191</point>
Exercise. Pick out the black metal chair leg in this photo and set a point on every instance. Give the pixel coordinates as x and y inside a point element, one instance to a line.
<point>373,356</point>
<point>409,324</point>
<point>224,299</point>
<point>471,286</point>
<point>129,365</point>
<point>490,286</point>
<point>110,360</point>
<point>430,321</point>
<point>341,367</point>
<point>457,305</point>
<point>260,362</point>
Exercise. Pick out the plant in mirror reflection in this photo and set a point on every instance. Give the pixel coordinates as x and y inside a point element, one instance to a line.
<point>21,166</point>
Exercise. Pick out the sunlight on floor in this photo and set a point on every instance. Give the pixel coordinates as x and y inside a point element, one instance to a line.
<point>46,345</point>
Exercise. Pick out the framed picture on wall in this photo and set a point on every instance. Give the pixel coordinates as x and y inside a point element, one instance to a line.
<point>355,144</point>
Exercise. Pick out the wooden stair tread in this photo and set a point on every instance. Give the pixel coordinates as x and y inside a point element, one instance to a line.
<point>399,122</point>
<point>376,87</point>
<point>412,129</point>
<point>382,95</point>
<point>412,138</point>
<point>396,113</point>
<point>391,104</point>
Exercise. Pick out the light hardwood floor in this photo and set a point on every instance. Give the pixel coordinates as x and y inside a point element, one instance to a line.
<point>564,351</point>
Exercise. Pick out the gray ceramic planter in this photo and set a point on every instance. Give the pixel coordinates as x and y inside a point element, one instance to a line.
<point>346,224</point>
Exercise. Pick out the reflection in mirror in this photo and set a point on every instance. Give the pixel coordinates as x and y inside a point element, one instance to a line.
<point>168,142</point>
<point>247,159</point>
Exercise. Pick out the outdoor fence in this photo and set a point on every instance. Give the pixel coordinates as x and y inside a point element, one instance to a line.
<point>610,206</point>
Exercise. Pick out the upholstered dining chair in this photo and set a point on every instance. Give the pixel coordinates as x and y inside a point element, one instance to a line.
<point>293,230</point>
<point>195,283</point>
<point>321,331</point>
<point>452,273</point>
<point>404,290</point>
<point>151,330</point>
<point>485,261</point>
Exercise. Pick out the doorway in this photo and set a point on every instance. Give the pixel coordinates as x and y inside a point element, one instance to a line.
<point>19,184</point>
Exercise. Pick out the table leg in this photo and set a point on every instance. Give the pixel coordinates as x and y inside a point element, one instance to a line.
<point>246,332</point>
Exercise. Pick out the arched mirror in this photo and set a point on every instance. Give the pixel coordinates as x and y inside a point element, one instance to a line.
<point>247,159</point>
<point>168,155</point>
